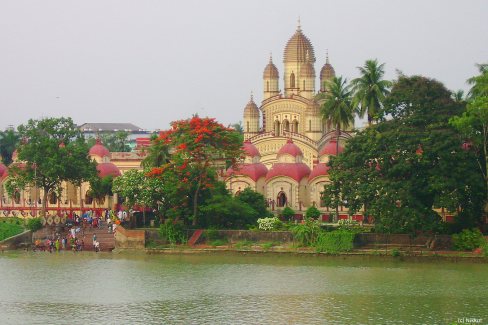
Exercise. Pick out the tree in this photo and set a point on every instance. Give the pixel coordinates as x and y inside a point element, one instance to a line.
<point>370,90</point>
<point>312,213</point>
<point>338,108</point>
<point>473,123</point>
<point>399,169</point>
<point>113,141</point>
<point>199,145</point>
<point>157,154</point>
<point>458,96</point>
<point>255,200</point>
<point>8,142</point>
<point>53,150</point>
<point>100,188</point>
<point>288,213</point>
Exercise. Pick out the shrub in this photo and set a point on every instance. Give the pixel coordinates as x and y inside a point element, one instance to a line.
<point>244,243</point>
<point>350,225</point>
<point>312,212</point>
<point>306,233</point>
<point>272,223</point>
<point>173,232</point>
<point>468,240</point>
<point>335,241</point>
<point>395,252</point>
<point>288,213</point>
<point>211,234</point>
<point>34,224</point>
<point>268,245</point>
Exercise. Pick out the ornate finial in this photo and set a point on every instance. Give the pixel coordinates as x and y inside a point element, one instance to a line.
<point>327,56</point>
<point>270,57</point>
<point>299,27</point>
<point>252,97</point>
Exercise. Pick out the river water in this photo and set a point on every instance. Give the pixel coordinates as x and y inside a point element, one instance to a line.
<point>105,288</point>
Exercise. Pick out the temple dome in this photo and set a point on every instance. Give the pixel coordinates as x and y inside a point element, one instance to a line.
<point>251,109</point>
<point>254,171</point>
<point>327,72</point>
<point>99,150</point>
<point>319,170</point>
<point>270,71</point>
<point>291,149</point>
<point>297,48</point>
<point>296,171</point>
<point>107,169</point>
<point>331,148</point>
<point>250,150</point>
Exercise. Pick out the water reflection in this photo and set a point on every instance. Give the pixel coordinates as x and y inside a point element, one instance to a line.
<point>140,289</point>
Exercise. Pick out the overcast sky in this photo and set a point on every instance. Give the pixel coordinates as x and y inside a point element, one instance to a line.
<point>152,62</point>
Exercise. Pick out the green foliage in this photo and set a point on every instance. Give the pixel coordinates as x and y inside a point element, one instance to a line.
<point>211,234</point>
<point>312,212</point>
<point>173,232</point>
<point>399,169</point>
<point>468,240</point>
<point>218,242</point>
<point>9,229</point>
<point>306,233</point>
<point>334,242</point>
<point>268,245</point>
<point>244,244</point>
<point>34,224</point>
<point>8,142</point>
<point>269,224</point>
<point>350,225</point>
<point>255,200</point>
<point>395,252</point>
<point>288,213</point>
<point>100,187</point>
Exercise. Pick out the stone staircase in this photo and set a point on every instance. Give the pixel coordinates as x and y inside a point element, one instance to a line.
<point>106,239</point>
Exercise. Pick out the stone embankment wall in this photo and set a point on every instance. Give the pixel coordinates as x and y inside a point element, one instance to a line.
<point>17,241</point>
<point>130,239</point>
<point>430,242</point>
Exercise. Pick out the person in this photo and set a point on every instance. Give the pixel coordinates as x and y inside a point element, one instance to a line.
<point>94,240</point>
<point>57,245</point>
<point>63,243</point>
<point>109,225</point>
<point>97,246</point>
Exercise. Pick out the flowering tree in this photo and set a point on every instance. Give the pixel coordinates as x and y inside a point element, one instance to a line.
<point>200,146</point>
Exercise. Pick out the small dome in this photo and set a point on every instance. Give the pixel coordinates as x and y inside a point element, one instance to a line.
<point>319,170</point>
<point>291,149</point>
<point>307,70</point>
<point>271,72</point>
<point>107,169</point>
<point>99,150</point>
<point>250,150</point>
<point>251,109</point>
<point>297,171</point>
<point>331,148</point>
<point>297,48</point>
<point>327,72</point>
<point>253,171</point>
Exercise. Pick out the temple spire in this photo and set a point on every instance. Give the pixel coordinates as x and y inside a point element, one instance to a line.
<point>299,27</point>
<point>327,56</point>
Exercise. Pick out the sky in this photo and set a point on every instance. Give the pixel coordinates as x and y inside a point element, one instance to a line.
<point>150,62</point>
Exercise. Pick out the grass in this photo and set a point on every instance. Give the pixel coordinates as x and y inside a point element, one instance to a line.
<point>244,244</point>
<point>8,229</point>
<point>218,242</point>
<point>268,245</point>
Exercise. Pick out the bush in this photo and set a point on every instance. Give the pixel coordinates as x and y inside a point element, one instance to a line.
<point>288,213</point>
<point>395,252</point>
<point>269,223</point>
<point>244,243</point>
<point>350,225</point>
<point>468,240</point>
<point>312,212</point>
<point>34,224</point>
<point>306,233</point>
<point>211,234</point>
<point>335,241</point>
<point>173,232</point>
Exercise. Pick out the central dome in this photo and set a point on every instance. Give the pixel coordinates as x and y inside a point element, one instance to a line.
<point>297,48</point>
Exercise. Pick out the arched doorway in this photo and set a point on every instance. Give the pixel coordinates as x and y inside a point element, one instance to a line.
<point>286,125</point>
<point>281,199</point>
<point>294,126</point>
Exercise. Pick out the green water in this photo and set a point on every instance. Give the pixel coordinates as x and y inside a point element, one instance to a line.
<point>89,288</point>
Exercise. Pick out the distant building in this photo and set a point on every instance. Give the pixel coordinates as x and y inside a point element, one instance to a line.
<point>92,130</point>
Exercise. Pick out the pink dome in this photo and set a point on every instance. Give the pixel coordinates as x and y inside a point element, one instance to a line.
<point>99,150</point>
<point>253,171</point>
<point>291,149</point>
<point>250,149</point>
<point>297,171</point>
<point>331,148</point>
<point>107,169</point>
<point>319,170</point>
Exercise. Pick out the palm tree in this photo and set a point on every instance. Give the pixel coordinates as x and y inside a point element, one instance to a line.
<point>338,108</point>
<point>458,96</point>
<point>370,90</point>
<point>8,142</point>
<point>157,154</point>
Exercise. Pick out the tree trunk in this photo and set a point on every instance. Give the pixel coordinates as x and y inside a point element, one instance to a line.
<point>44,202</point>
<point>338,131</point>
<point>195,205</point>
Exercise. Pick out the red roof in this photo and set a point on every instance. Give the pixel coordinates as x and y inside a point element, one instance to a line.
<point>291,149</point>
<point>107,169</point>
<point>297,171</point>
<point>253,171</point>
<point>319,170</point>
<point>99,150</point>
<point>250,149</point>
<point>331,148</point>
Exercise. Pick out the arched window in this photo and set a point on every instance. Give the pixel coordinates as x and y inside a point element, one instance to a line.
<point>294,126</point>
<point>267,85</point>
<point>52,198</point>
<point>292,80</point>
<point>286,125</point>
<point>277,127</point>
<point>16,197</point>
<point>247,126</point>
<point>88,199</point>
<point>281,199</point>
